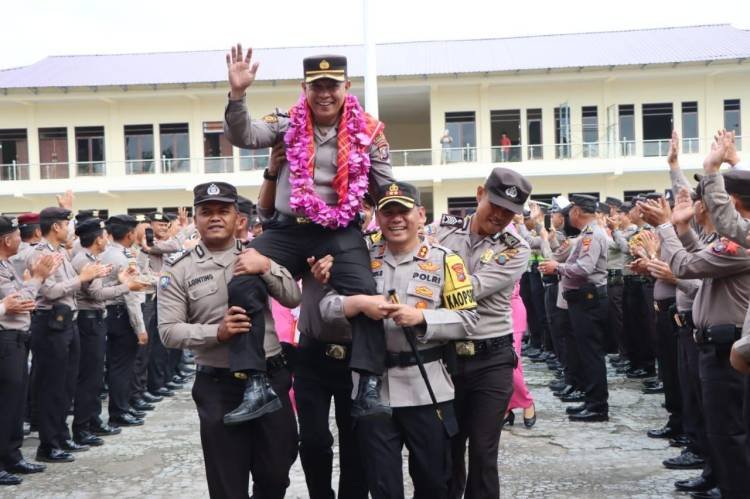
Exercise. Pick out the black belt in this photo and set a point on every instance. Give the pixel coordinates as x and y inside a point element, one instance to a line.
<point>272,364</point>
<point>723,334</point>
<point>406,359</point>
<point>614,272</point>
<point>473,348</point>
<point>14,336</point>
<point>663,305</point>
<point>92,314</point>
<point>116,310</point>
<point>335,351</point>
<point>637,278</point>
<point>684,320</point>
<point>550,280</point>
<point>585,293</point>
<point>46,311</point>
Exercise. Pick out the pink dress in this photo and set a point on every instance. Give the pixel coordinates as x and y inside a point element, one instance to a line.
<point>521,398</point>
<point>285,321</point>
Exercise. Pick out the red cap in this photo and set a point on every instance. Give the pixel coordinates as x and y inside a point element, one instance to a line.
<point>28,219</point>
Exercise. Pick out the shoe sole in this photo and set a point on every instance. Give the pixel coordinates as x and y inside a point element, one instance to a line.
<point>595,420</point>
<point>691,467</point>
<point>270,407</point>
<point>53,461</point>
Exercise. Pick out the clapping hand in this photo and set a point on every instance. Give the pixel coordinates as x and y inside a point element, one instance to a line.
<point>241,72</point>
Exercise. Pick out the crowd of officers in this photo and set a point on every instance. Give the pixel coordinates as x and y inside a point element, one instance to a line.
<point>661,283</point>
<point>78,300</point>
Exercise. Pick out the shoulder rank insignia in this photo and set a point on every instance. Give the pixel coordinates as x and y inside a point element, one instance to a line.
<point>509,239</point>
<point>451,221</point>
<point>429,267</point>
<point>271,119</point>
<point>376,264</point>
<point>503,257</point>
<point>423,252</point>
<point>487,255</point>
<point>588,230</point>
<point>376,237</point>
<point>173,258</point>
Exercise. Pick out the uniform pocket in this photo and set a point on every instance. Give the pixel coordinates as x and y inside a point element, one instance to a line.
<point>420,295</point>
<point>202,291</point>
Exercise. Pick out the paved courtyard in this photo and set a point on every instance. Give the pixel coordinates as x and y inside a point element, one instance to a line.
<point>554,459</point>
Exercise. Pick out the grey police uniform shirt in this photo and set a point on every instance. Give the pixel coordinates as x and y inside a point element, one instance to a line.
<point>311,320</point>
<point>155,255</point>
<point>21,258</point>
<point>663,290</point>
<point>247,133</point>
<point>727,220</point>
<point>121,258</point>
<point>628,233</point>
<point>725,269</point>
<point>434,280</point>
<point>11,282</point>
<point>94,294</point>
<point>62,285</point>
<point>193,299</point>
<point>587,263</point>
<point>617,250</point>
<point>495,262</point>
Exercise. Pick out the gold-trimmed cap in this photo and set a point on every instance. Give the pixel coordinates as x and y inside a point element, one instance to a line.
<point>398,192</point>
<point>324,66</point>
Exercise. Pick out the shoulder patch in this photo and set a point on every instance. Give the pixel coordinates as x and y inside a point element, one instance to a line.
<point>509,239</point>
<point>173,258</point>
<point>724,246</point>
<point>164,281</point>
<point>376,237</point>
<point>451,221</point>
<point>588,230</point>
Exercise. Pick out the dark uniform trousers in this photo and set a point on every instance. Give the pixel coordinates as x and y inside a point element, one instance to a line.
<point>290,246</point>
<point>550,305</point>
<point>693,420</point>
<point>265,447</point>
<point>158,361</point>
<point>572,366</point>
<point>724,391</point>
<point>615,341</point>
<point>425,436</point>
<point>666,331</point>
<point>317,379</point>
<point>638,321</point>
<point>139,382</point>
<point>484,385</point>
<point>13,379</point>
<point>588,316</point>
<point>532,294</point>
<point>56,360</point>
<point>122,348</point>
<point>92,330</point>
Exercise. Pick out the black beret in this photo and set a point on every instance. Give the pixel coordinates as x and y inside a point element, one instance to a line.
<point>126,220</point>
<point>585,202</point>
<point>614,202</point>
<point>244,205</point>
<point>737,182</point>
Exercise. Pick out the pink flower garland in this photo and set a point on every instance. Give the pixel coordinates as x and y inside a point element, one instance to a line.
<point>300,152</point>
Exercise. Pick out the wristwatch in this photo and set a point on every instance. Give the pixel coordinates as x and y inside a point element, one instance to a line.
<point>268,176</point>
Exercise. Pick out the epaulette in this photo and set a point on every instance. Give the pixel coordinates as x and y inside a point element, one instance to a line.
<point>173,258</point>
<point>375,236</point>
<point>451,221</point>
<point>509,239</point>
<point>280,113</point>
<point>90,256</point>
<point>587,230</point>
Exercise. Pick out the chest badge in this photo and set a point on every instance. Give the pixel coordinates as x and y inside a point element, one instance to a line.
<point>429,267</point>
<point>423,291</point>
<point>487,256</point>
<point>421,305</point>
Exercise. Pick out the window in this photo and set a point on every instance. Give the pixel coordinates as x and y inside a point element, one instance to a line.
<point>14,154</point>
<point>626,125</point>
<point>175,147</point>
<point>90,151</point>
<point>139,149</point>
<point>53,153</point>
<point>562,132</point>
<point>690,142</point>
<point>590,131</point>
<point>462,129</point>
<point>657,129</point>
<point>732,119</point>
<point>629,195</point>
<point>505,128</point>
<point>140,211</point>
<point>534,132</point>
<point>594,194</point>
<point>462,206</point>
<point>217,151</point>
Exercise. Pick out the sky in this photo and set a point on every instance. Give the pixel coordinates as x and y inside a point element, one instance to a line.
<point>34,29</point>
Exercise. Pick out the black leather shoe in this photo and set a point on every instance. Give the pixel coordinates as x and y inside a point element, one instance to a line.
<point>697,484</point>
<point>24,467</point>
<point>685,461</point>
<point>680,441</point>
<point>259,399</point>
<point>104,430</point>
<point>638,373</point>
<point>565,391</point>
<point>534,355</point>
<point>560,374</point>
<point>664,432</point>
<point>72,446</point>
<point>529,422</point>
<point>164,392</point>
<point>510,419</point>
<point>142,405</point>
<point>87,438</point>
<point>136,413</point>
<point>54,456</point>
<point>651,382</point>
<point>531,351</point>
<point>126,419</point>
<point>9,479</point>
<point>368,401</point>
<point>557,384</point>
<point>589,416</point>
<point>173,386</point>
<point>575,409</point>
<point>714,493</point>
<point>151,398</point>
<point>576,396</point>
<point>652,390</point>
<point>542,357</point>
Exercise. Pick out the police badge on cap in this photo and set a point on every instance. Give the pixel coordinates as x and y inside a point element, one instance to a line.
<point>220,192</point>
<point>508,189</point>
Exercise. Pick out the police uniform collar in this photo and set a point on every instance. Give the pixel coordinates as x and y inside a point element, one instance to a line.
<point>45,243</point>
<point>89,255</point>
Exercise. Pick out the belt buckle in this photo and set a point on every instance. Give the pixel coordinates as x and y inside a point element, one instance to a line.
<point>698,336</point>
<point>302,220</point>
<point>240,375</point>
<point>465,349</point>
<point>337,352</point>
<point>678,320</point>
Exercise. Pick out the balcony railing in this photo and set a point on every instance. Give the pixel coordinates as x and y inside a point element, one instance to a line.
<point>14,171</point>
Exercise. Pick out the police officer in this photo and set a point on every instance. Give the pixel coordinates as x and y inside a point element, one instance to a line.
<point>719,311</point>
<point>31,234</point>
<point>92,328</point>
<point>484,376</point>
<point>584,282</point>
<point>294,234</point>
<point>54,337</point>
<point>436,298</point>
<point>532,292</point>
<point>17,301</point>
<point>193,313</point>
<point>125,325</point>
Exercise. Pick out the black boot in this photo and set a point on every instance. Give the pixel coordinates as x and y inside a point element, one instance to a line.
<point>259,399</point>
<point>368,401</point>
